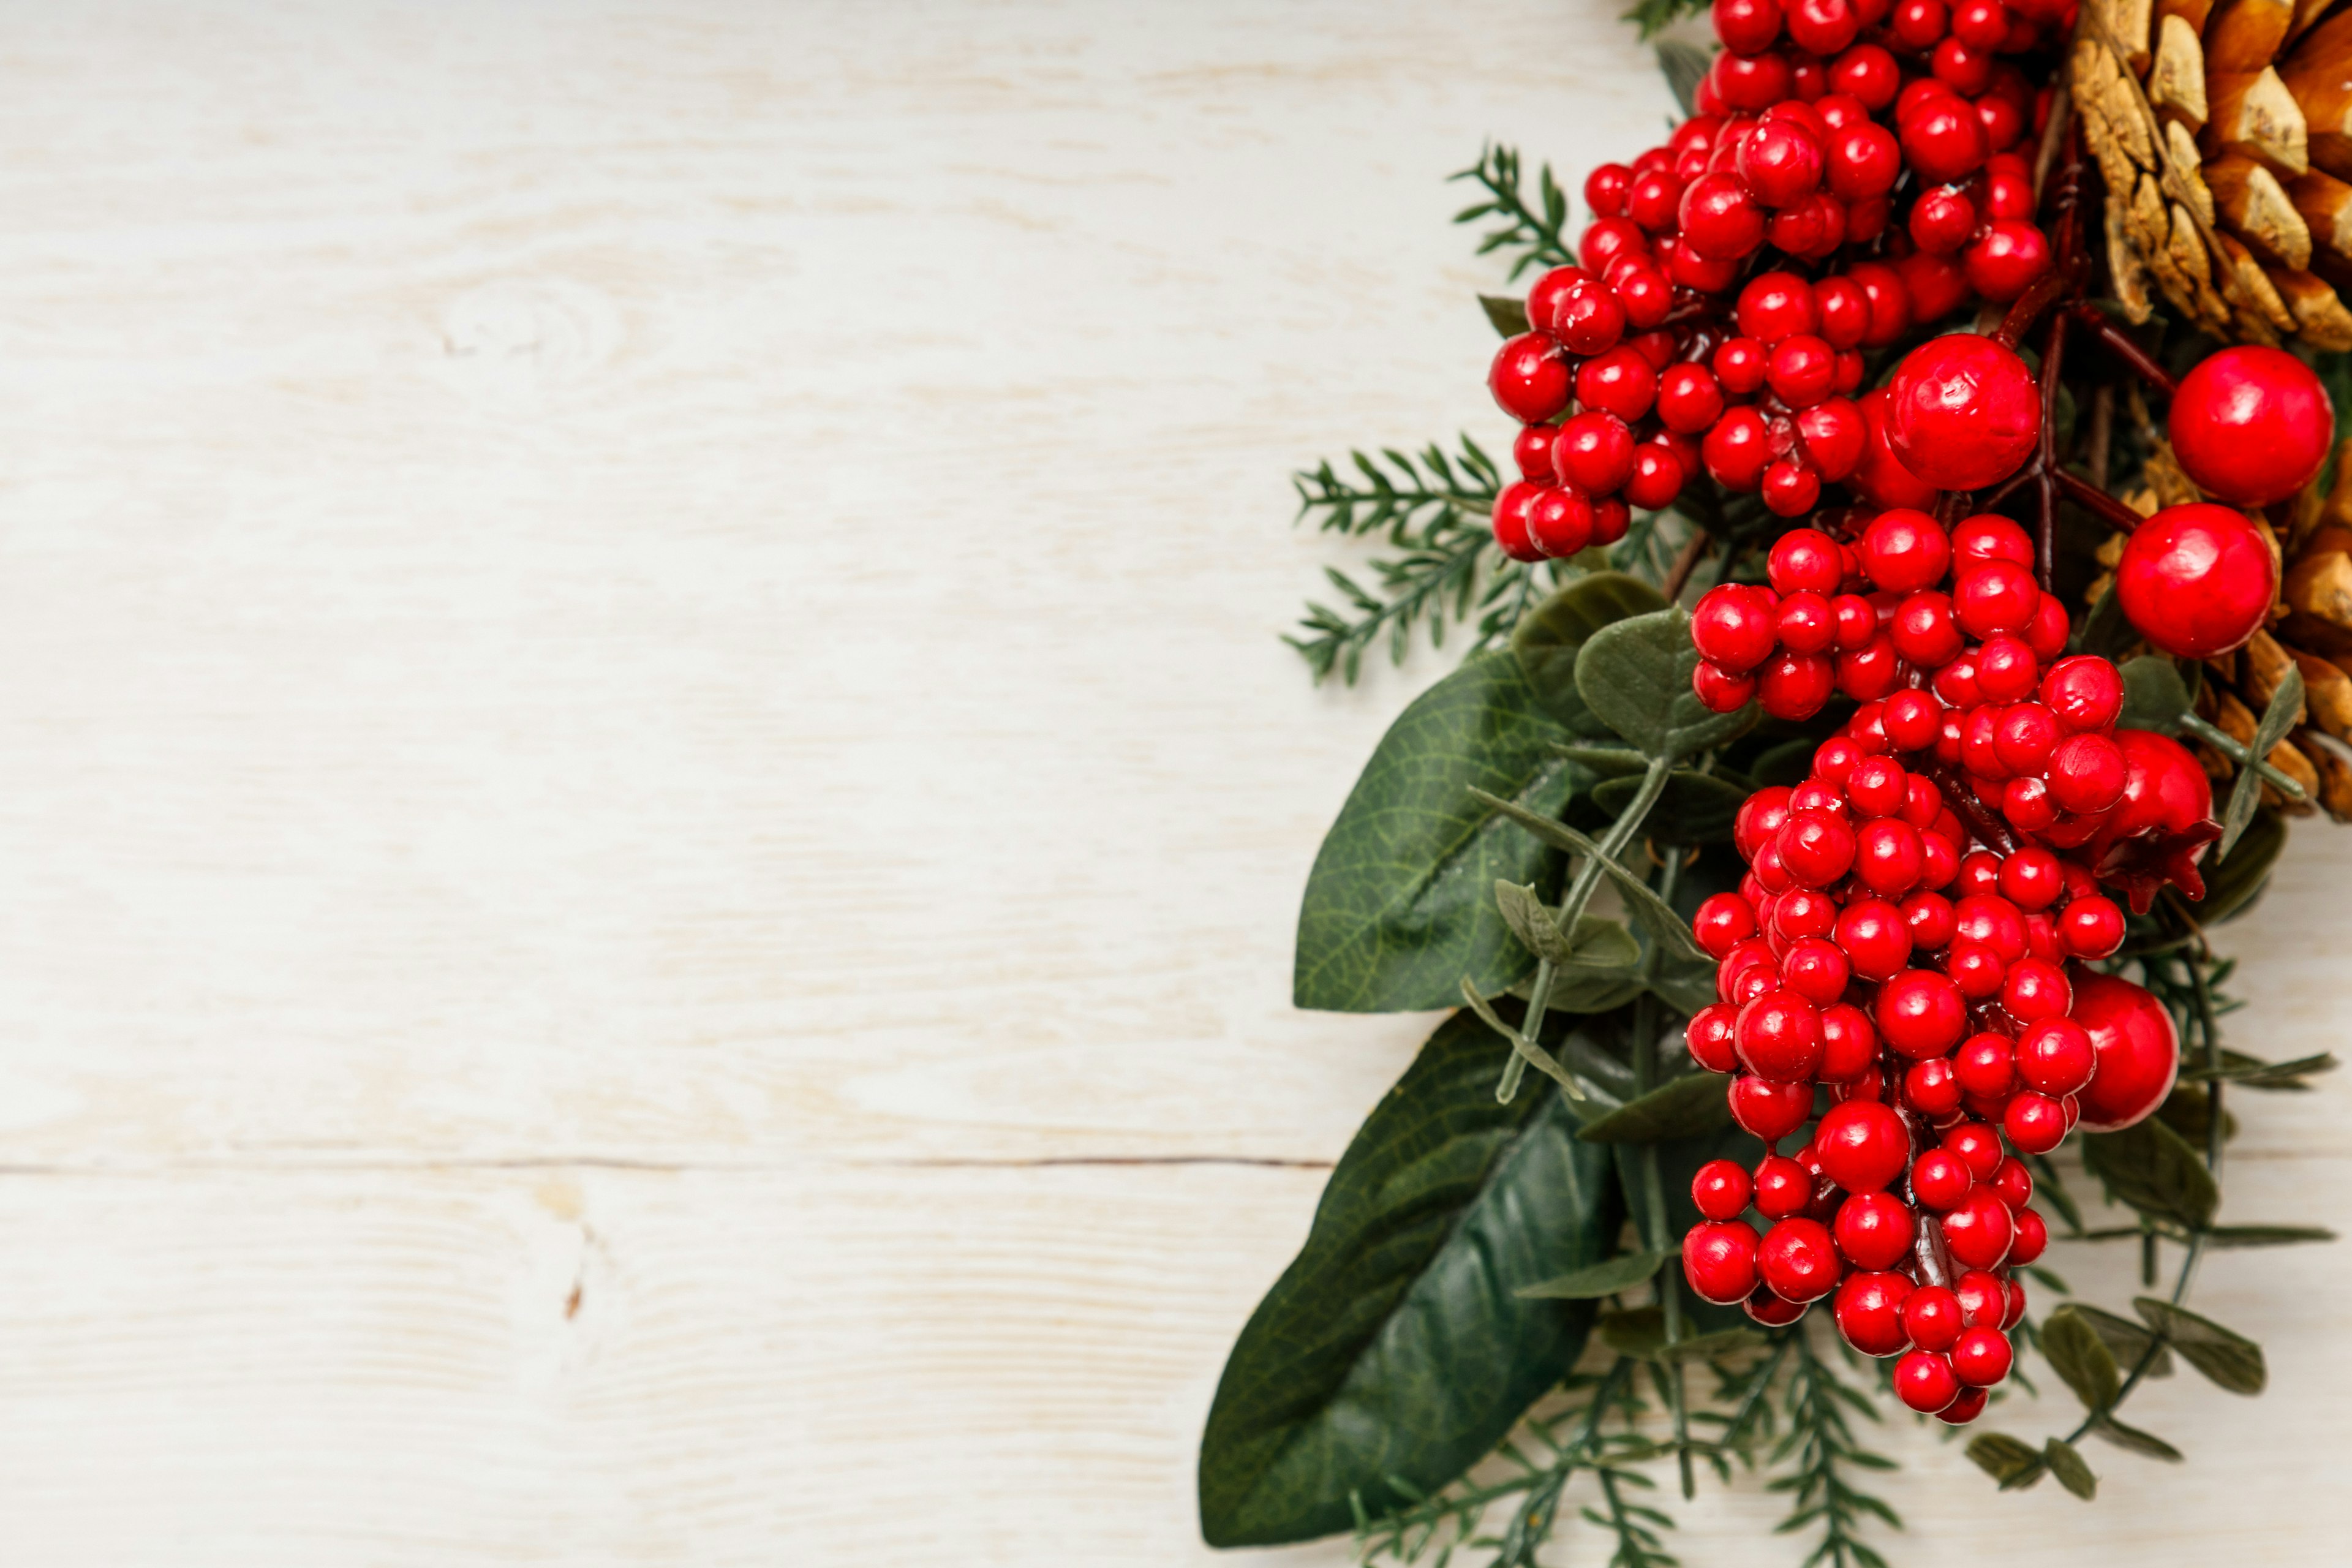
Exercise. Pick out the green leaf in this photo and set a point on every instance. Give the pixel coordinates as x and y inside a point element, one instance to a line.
<point>2106,631</point>
<point>1684,64</point>
<point>2151,1168</point>
<point>2126,1340</point>
<point>1635,676</point>
<point>1395,1346</point>
<point>1640,1333</point>
<point>1606,762</point>
<point>2235,880</point>
<point>1651,912</point>
<point>1622,1272</point>
<point>1551,636</point>
<point>2155,697</point>
<point>2241,1235</point>
<point>1599,944</point>
<point>2015,1465</point>
<point>1508,315</point>
<point>2277,719</point>
<point>1397,907</point>
<point>1697,808</point>
<point>2255,1073</point>
<point>2068,1467</point>
<point>2078,1354</point>
<point>1533,1055</point>
<point>2132,1439</point>
<point>2226,1357</point>
<point>1787,763</point>
<point>1693,1105</point>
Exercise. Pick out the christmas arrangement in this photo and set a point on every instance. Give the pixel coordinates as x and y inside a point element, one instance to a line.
<point>1917,598</point>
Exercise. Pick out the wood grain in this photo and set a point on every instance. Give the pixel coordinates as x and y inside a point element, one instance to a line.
<point>652,812</point>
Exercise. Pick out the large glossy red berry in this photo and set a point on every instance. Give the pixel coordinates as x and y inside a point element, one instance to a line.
<point>1868,1311</point>
<point>1798,1259</point>
<point>1721,1189</point>
<point>1920,1014</point>
<point>2197,580</point>
<point>1862,1145</point>
<point>1768,1110</point>
<point>1925,1381</point>
<point>2136,1050</point>
<point>1979,1229</point>
<point>1719,1260</point>
<point>2252,425</point>
<point>1963,412</point>
<point>1529,378</point>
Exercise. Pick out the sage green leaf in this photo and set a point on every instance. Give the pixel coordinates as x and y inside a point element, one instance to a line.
<point>1693,1105</point>
<point>1598,944</point>
<point>1585,991</point>
<point>2239,1236</point>
<point>1651,912</point>
<point>2072,1472</point>
<point>2078,1354</point>
<point>1635,676</point>
<point>1640,1333</point>
<point>1398,907</point>
<point>2126,1340</point>
<point>2278,717</point>
<point>1622,1272</point>
<point>2235,881</point>
<point>2151,1168</point>
<point>2131,1438</point>
<point>1551,636</point>
<point>1508,315</point>
<point>2226,1357</point>
<point>2155,697</point>
<point>1697,808</point>
<point>1534,1055</point>
<point>2014,1464</point>
<point>1606,762</point>
<point>1395,1349</point>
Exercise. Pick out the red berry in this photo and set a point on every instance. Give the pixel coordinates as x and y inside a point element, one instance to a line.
<point>2197,580</point>
<point>1722,921</point>
<point>1982,1064</point>
<point>1711,1036</point>
<point>1940,1180</point>
<point>1719,690</point>
<point>1657,477</point>
<point>1801,370</point>
<point>1620,382</point>
<point>1979,1229</point>
<point>1994,597</point>
<point>1544,297</point>
<point>1925,1381</point>
<point>1738,449</point>
<point>1795,685</point>
<point>1762,814</point>
<point>1888,857</point>
<point>1983,1297</point>
<point>1805,624</point>
<point>1931,1088</point>
<point>1721,1189</point>
<point>1849,1045</point>
<point>1963,412</point>
<point>1862,1145</point>
<point>1783,1187</point>
<point>1719,1260</point>
<point>1751,82</point>
<point>1779,1036</point>
<point>1942,219</point>
<point>1767,1109</point>
<point>2136,1050</point>
<point>2252,425</point>
<point>1528,378</point>
<point>1689,399</point>
<point>1594,453</point>
<point>1979,1148</point>
<point>2087,774</point>
<point>1561,520</point>
<point>1588,318</point>
<point>2014,1183</point>
<point>1721,219</point>
<point>2033,1237</point>
<point>1920,1014</point>
<point>1746,27</point>
<point>1604,190</point>
<point>1531,450</point>
<point>2005,262</point>
<point>1798,1260</point>
<point>1875,1229</point>
<point>1931,1318</point>
<point>1816,847</point>
<point>2034,1122</point>
<point>1832,435</point>
<point>1868,1311</point>
<point>2091,927</point>
<point>1802,560</point>
<point>1981,1357</point>
<point>1732,628</point>
<point>1904,550</point>
<point>2034,990</point>
<point>1511,509</point>
<point>1656,200</point>
<point>1943,140</point>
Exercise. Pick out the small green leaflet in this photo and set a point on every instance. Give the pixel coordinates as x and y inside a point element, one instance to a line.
<point>2226,1358</point>
<point>2151,1168</point>
<point>1509,316</point>
<point>1551,638</point>
<point>1598,944</point>
<point>1651,911</point>
<point>2068,1467</point>
<point>2145,1443</point>
<point>2078,1354</point>
<point>2014,1464</point>
<point>2285,707</point>
<point>2154,695</point>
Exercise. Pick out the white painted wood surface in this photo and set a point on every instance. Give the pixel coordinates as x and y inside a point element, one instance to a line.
<point>650,809</point>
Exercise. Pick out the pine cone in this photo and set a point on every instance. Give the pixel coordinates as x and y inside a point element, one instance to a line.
<point>2224,134</point>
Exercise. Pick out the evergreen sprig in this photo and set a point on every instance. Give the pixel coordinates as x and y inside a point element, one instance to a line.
<point>1432,511</point>
<point>1534,231</point>
<point>1820,1407</point>
<point>1655,16</point>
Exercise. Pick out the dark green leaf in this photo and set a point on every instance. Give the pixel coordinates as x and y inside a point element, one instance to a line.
<point>2151,1168</point>
<point>1622,1272</point>
<point>2106,631</point>
<point>1599,944</point>
<point>2013,1464</point>
<point>2277,719</point>
<point>2131,1438</point>
<point>2126,1340</point>
<point>1395,1345</point>
<point>2225,1356</point>
<point>1398,907</point>
<point>2078,1354</point>
<point>2237,1235</point>
<point>2154,695</point>
<point>2188,1111</point>
<point>1509,315</point>
<point>1554,633</point>
<point>2072,1472</point>
<point>1697,808</point>
<point>1690,1106</point>
<point>1606,762</point>
<point>1786,765</point>
<point>1684,64</point>
<point>2235,881</point>
<point>1635,676</point>
<point>1640,1333</point>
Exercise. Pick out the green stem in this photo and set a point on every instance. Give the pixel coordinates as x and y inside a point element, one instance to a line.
<point>1580,889</point>
<point>2229,746</point>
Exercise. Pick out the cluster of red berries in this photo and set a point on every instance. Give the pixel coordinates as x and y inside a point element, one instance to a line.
<point>1905,933</point>
<point>1680,354</point>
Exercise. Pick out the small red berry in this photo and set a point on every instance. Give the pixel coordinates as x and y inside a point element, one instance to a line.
<point>1594,453</point>
<point>1768,1110</point>
<point>1690,400</point>
<point>1931,1316</point>
<point>2006,260</point>
<point>1940,1180</point>
<point>1719,1260</point>
<point>1868,1311</point>
<point>2091,927</point>
<point>1862,1145</point>
<point>2014,1183</point>
<point>1932,1088</point>
<point>1721,219</point>
<point>1920,1014</point>
<point>1529,378</point>
<point>1979,1229</point>
<point>1925,1381</point>
<point>1732,628</point>
<point>1795,685</point>
<point>1981,1357</point>
<point>1561,520</point>
<point>1738,449</point>
<point>1875,1229</point>
<point>1798,1260</point>
<point>1711,1036</point>
<point>1721,1189</point>
<point>2033,1237</point>
<point>1511,509</point>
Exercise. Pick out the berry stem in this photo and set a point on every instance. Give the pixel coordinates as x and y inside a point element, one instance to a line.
<point>1989,831</point>
<point>2045,528</point>
<point>2237,752</point>
<point>2091,498</point>
<point>2119,344</point>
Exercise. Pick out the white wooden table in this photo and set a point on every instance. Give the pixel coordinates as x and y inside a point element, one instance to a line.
<point>650,811</point>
